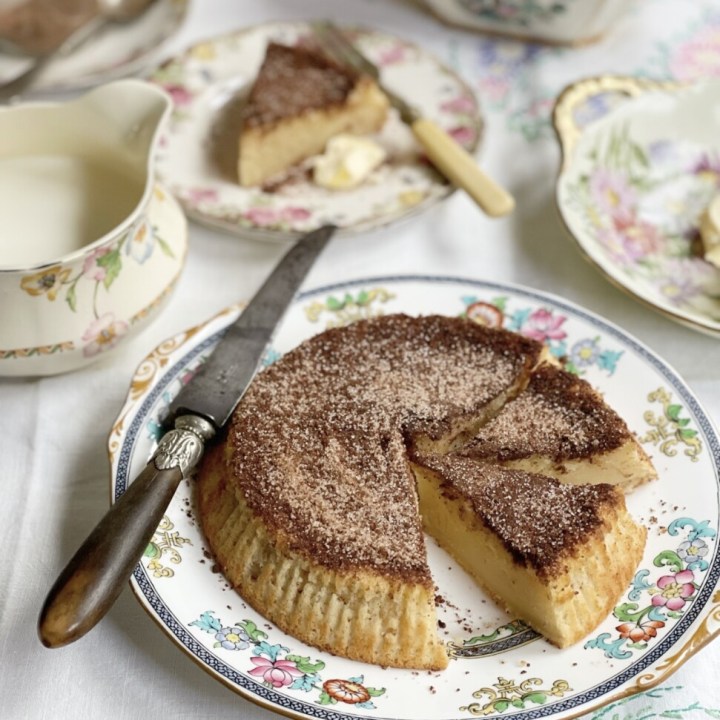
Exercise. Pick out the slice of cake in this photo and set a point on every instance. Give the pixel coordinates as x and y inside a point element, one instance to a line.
<point>301,99</point>
<point>561,426</point>
<point>554,555</point>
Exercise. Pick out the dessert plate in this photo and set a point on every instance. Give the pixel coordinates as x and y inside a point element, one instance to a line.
<point>198,160</point>
<point>499,667</point>
<point>116,51</point>
<point>641,162</point>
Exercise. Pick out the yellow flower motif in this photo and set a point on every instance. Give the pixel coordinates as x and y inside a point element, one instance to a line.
<point>203,51</point>
<point>158,192</point>
<point>46,282</point>
<point>411,197</point>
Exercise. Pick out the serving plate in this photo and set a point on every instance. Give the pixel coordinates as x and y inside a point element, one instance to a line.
<point>209,82</point>
<point>499,667</point>
<point>118,50</point>
<point>641,162</point>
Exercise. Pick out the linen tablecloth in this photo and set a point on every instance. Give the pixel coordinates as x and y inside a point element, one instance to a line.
<point>54,470</point>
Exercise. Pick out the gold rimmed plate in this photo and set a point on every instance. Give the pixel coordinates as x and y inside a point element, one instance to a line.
<point>499,667</point>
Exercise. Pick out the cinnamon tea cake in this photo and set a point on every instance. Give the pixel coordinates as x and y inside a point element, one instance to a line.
<point>300,99</point>
<point>560,426</point>
<point>555,555</point>
<point>310,505</point>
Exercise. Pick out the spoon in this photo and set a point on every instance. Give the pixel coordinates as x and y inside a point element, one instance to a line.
<point>109,12</point>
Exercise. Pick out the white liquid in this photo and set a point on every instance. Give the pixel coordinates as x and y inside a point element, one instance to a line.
<point>52,205</point>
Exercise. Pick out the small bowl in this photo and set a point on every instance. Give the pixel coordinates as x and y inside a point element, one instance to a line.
<point>90,246</point>
<point>556,22</point>
<point>641,162</point>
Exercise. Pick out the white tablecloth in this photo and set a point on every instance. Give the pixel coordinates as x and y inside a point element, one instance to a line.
<point>53,462</point>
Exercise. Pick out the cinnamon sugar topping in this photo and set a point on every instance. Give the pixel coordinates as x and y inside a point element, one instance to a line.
<point>293,80</point>
<point>559,415</point>
<point>319,439</point>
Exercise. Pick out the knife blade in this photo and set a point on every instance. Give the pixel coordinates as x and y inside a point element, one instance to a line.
<point>94,577</point>
<point>445,153</point>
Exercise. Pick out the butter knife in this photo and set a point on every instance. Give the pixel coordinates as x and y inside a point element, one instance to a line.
<point>96,574</point>
<point>445,153</point>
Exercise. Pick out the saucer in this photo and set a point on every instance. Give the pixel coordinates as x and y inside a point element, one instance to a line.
<point>116,51</point>
<point>197,160</point>
<point>641,162</point>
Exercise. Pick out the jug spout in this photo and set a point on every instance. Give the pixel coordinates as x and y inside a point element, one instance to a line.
<point>129,114</point>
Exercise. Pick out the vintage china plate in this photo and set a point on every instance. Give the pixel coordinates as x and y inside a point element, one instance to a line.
<point>116,51</point>
<point>198,159</point>
<point>500,667</point>
<point>641,161</point>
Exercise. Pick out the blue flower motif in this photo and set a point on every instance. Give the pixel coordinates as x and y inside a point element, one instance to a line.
<point>584,353</point>
<point>232,638</point>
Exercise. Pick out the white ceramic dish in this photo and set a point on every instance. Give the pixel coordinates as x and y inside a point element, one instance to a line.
<point>116,51</point>
<point>198,157</point>
<point>641,161</point>
<point>500,667</point>
<point>90,246</point>
<point>561,22</point>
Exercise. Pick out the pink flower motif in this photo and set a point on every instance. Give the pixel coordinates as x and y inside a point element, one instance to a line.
<point>542,325</point>
<point>460,104</point>
<point>91,269</point>
<point>464,135</point>
<point>278,674</point>
<point>392,55</point>
<point>673,590</point>
<point>294,213</point>
<point>200,195</point>
<point>699,57</point>
<point>261,216</point>
<point>613,195</point>
<point>495,89</point>
<point>103,334</point>
<point>179,94</point>
<point>639,239</point>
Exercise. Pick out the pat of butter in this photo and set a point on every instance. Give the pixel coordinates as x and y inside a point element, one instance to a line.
<point>710,232</point>
<point>347,161</point>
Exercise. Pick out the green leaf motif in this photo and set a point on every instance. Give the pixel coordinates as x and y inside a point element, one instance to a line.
<point>166,249</point>
<point>673,411</point>
<point>305,665</point>
<point>375,692</point>
<point>363,298</point>
<point>71,298</point>
<point>252,630</point>
<point>501,705</point>
<point>325,699</point>
<point>333,303</point>
<point>687,433</point>
<point>112,263</point>
<point>537,697</point>
<point>668,558</point>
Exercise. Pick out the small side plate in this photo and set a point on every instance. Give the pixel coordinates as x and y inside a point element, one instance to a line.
<point>641,162</point>
<point>198,158</point>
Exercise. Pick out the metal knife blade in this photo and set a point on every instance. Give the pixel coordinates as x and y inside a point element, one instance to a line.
<point>94,577</point>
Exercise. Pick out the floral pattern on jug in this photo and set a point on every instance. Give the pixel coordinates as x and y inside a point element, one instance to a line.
<point>86,283</point>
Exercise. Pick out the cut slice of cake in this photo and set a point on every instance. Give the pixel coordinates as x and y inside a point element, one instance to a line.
<point>301,99</point>
<point>561,426</point>
<point>556,556</point>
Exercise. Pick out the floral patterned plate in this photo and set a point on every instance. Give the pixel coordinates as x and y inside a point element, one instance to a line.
<point>117,51</point>
<point>198,160</point>
<point>499,667</point>
<point>641,162</point>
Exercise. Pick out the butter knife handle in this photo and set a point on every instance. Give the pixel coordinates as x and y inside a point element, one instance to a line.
<point>97,573</point>
<point>461,168</point>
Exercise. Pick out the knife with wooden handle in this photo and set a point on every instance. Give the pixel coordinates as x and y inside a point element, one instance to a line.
<point>445,153</point>
<point>96,574</point>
